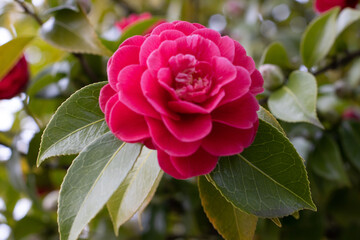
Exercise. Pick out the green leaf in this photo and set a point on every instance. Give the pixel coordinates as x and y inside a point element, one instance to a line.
<point>71,31</point>
<point>228,220</point>
<point>296,101</point>
<point>326,161</point>
<point>276,54</point>
<point>137,189</point>
<point>76,123</point>
<point>350,141</point>
<point>12,51</point>
<point>346,17</point>
<point>268,179</point>
<point>266,116</point>
<point>91,180</point>
<point>319,38</point>
<point>138,28</point>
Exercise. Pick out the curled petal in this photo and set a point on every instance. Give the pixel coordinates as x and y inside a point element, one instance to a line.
<point>190,127</point>
<point>227,48</point>
<point>130,91</point>
<point>123,57</point>
<point>150,44</point>
<point>257,82</point>
<point>237,88</point>
<point>105,94</point>
<point>225,140</point>
<point>241,59</point>
<point>185,27</point>
<point>136,129</point>
<point>240,113</point>
<point>224,72</point>
<point>200,163</point>
<point>171,35</point>
<point>136,40</point>
<point>167,142</point>
<point>209,34</point>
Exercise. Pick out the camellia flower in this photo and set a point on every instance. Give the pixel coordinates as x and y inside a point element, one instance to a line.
<point>324,5</point>
<point>131,19</point>
<point>185,91</point>
<point>15,80</point>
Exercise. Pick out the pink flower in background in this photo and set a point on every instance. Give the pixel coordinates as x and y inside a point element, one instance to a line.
<point>185,91</point>
<point>15,80</point>
<point>324,5</point>
<point>131,19</point>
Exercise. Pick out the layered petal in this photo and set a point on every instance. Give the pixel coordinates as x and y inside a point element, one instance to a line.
<point>225,140</point>
<point>199,163</point>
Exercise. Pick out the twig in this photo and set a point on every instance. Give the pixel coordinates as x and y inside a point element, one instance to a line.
<point>29,12</point>
<point>338,62</point>
<point>86,67</point>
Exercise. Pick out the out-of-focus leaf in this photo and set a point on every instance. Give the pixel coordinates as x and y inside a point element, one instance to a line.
<point>76,123</point>
<point>319,38</point>
<point>11,52</point>
<point>91,180</point>
<point>229,221</point>
<point>71,31</point>
<point>275,54</point>
<point>268,179</point>
<point>136,189</point>
<point>28,226</point>
<point>346,17</point>
<point>296,101</point>
<point>326,161</point>
<point>350,141</point>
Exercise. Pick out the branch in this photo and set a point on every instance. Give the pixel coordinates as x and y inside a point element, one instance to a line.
<point>336,63</point>
<point>29,12</point>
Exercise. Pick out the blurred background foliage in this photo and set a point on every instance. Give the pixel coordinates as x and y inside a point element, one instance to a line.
<point>28,195</point>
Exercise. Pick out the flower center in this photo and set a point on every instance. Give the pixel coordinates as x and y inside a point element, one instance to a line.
<point>192,80</point>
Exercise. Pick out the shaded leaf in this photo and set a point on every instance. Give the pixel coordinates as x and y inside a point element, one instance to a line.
<point>76,123</point>
<point>12,51</point>
<point>71,31</point>
<point>350,141</point>
<point>138,28</point>
<point>229,221</point>
<point>319,38</point>
<point>296,101</point>
<point>326,161</point>
<point>137,188</point>
<point>268,179</point>
<point>346,17</point>
<point>275,54</point>
<point>91,180</point>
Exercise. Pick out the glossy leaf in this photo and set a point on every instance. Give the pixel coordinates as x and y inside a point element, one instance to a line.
<point>296,101</point>
<point>12,51</point>
<point>326,161</point>
<point>268,179</point>
<point>275,54</point>
<point>228,220</point>
<point>346,17</point>
<point>76,123</point>
<point>137,188</point>
<point>91,180</point>
<point>319,38</point>
<point>269,118</point>
<point>71,31</point>
<point>350,141</point>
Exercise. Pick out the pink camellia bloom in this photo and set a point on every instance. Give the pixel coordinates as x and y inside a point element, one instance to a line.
<point>185,91</point>
<point>131,19</point>
<point>15,80</point>
<point>324,5</point>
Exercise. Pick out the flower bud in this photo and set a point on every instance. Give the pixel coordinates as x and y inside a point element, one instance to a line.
<point>273,76</point>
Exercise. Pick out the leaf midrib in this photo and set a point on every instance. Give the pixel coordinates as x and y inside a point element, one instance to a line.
<point>273,180</point>
<point>96,181</point>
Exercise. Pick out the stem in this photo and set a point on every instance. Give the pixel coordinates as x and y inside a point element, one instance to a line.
<point>29,12</point>
<point>338,62</point>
